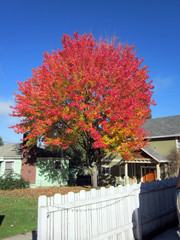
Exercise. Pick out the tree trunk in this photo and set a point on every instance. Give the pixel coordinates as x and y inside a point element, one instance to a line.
<point>94,175</point>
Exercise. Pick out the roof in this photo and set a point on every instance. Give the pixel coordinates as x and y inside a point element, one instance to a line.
<point>163,127</point>
<point>154,154</point>
<point>144,153</point>
<point>11,150</point>
<point>15,150</point>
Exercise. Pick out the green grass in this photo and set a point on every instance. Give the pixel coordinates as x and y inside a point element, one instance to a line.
<point>20,208</point>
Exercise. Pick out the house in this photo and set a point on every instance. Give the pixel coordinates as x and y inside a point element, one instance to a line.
<point>150,162</point>
<point>37,165</point>
<point>144,167</point>
<point>164,134</point>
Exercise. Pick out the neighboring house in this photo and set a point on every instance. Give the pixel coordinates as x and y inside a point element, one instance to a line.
<point>144,167</point>
<point>164,133</point>
<point>164,136</point>
<point>150,162</point>
<point>38,165</point>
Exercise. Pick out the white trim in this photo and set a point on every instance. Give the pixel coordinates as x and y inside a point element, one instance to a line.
<point>126,170</point>
<point>53,158</point>
<point>158,171</point>
<point>105,174</point>
<point>10,160</point>
<point>164,136</point>
<point>178,144</point>
<point>126,177</point>
<point>13,167</point>
<point>3,158</point>
<point>154,158</point>
<point>150,155</point>
<point>142,160</point>
<point>115,160</point>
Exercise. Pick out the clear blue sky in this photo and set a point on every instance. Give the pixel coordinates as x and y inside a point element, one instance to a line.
<point>30,27</point>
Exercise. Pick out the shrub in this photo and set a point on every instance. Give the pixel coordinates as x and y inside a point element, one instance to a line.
<point>174,163</point>
<point>13,181</point>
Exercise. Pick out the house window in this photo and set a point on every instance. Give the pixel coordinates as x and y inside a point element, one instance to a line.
<point>58,165</point>
<point>105,170</point>
<point>9,167</point>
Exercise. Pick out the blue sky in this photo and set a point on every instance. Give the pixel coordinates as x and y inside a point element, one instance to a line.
<point>28,28</point>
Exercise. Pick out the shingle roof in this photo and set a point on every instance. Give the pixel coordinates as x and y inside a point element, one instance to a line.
<point>15,150</point>
<point>11,150</point>
<point>163,127</point>
<point>154,154</point>
<point>149,153</point>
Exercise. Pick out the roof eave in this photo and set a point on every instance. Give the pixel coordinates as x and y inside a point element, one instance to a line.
<point>160,161</point>
<point>11,157</point>
<point>163,136</point>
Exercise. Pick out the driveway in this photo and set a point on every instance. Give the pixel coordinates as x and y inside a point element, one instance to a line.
<point>28,236</point>
<point>170,234</point>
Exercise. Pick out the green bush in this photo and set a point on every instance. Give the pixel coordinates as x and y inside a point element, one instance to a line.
<point>13,181</point>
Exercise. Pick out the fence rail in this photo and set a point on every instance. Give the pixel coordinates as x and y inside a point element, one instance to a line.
<point>123,212</point>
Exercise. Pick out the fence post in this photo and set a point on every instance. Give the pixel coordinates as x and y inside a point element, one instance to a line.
<point>42,218</point>
<point>137,214</point>
<point>138,224</point>
<point>110,213</point>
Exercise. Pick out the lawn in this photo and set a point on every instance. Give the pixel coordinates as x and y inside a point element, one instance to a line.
<point>19,208</point>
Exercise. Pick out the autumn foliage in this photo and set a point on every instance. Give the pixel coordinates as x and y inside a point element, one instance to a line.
<point>93,92</point>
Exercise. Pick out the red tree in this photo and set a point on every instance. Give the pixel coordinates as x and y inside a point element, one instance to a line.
<point>90,92</point>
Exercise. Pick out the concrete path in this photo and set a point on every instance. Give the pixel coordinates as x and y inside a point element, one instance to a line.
<point>28,236</point>
<point>170,234</point>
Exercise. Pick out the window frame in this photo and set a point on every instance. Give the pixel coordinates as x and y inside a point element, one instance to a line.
<point>10,170</point>
<point>104,169</point>
<point>56,162</point>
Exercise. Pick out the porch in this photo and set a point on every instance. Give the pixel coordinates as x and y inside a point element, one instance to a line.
<point>146,166</point>
<point>137,172</point>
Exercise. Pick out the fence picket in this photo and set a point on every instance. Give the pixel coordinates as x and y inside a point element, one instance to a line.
<point>94,227</point>
<point>42,218</point>
<point>58,218</point>
<point>123,212</point>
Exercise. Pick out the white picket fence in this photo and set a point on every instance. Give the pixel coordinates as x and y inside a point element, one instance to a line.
<point>123,212</point>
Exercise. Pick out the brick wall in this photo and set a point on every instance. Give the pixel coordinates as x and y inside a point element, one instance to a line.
<point>28,170</point>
